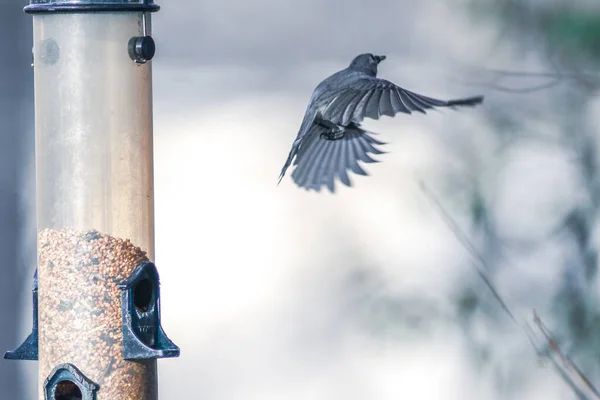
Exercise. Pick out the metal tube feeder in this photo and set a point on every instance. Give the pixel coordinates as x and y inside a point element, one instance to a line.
<point>98,310</point>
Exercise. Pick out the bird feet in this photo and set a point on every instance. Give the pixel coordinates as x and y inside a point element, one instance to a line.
<point>333,134</point>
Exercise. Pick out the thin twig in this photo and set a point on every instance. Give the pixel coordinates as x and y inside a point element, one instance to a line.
<point>462,238</point>
<point>554,346</point>
<point>505,72</point>
<point>507,89</point>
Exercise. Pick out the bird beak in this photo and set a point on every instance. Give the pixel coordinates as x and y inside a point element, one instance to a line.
<point>379,59</point>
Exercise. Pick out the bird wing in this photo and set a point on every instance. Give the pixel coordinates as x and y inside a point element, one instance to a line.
<point>320,161</point>
<point>366,96</point>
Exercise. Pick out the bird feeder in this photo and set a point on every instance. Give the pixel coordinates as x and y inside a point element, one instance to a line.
<point>98,320</point>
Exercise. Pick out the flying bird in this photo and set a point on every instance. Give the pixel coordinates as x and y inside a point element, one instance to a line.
<point>330,141</point>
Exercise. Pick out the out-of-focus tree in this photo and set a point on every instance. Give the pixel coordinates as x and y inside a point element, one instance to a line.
<point>564,36</point>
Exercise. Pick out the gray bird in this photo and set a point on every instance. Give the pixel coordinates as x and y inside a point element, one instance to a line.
<point>331,141</point>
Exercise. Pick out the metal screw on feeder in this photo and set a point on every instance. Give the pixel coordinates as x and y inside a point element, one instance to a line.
<point>98,331</point>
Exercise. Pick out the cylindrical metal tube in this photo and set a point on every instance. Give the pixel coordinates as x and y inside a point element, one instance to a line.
<point>93,108</point>
<point>93,126</point>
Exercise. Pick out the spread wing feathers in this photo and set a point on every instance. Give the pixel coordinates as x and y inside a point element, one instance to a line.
<point>320,161</point>
<point>372,97</point>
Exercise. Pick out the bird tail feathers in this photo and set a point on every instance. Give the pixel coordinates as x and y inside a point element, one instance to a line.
<point>468,102</point>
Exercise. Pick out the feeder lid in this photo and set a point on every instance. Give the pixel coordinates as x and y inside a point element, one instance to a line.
<point>71,6</point>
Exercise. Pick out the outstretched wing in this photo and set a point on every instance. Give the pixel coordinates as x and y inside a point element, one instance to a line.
<point>320,161</point>
<point>367,96</point>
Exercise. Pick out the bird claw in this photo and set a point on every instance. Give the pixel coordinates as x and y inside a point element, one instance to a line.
<point>333,134</point>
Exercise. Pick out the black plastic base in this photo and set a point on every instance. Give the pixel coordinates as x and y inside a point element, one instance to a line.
<point>28,350</point>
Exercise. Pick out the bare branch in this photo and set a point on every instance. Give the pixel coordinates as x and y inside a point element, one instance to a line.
<point>462,238</point>
<point>530,89</point>
<point>566,360</point>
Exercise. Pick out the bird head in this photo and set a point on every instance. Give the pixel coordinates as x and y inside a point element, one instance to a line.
<point>367,62</point>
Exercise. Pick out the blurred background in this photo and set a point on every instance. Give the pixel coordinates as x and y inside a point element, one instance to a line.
<point>271,291</point>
